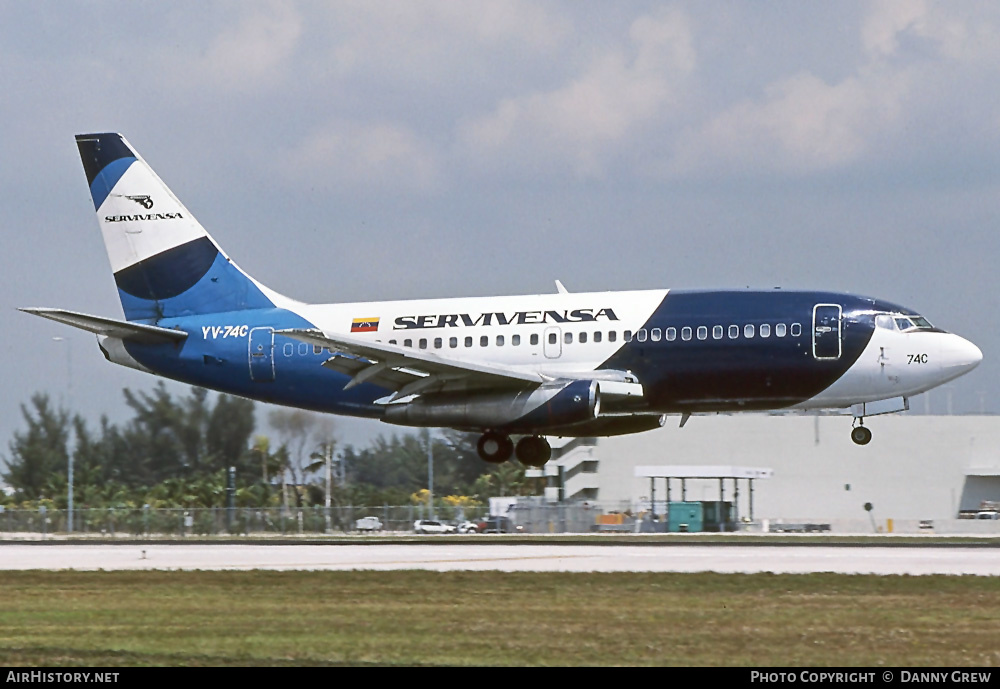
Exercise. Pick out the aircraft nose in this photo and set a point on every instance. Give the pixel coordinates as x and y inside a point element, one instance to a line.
<point>961,356</point>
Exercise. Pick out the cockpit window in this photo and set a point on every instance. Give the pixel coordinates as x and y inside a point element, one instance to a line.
<point>892,321</point>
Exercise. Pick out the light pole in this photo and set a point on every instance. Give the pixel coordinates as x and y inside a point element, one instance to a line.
<point>329,461</point>
<point>69,435</point>
<point>430,474</point>
<point>327,458</point>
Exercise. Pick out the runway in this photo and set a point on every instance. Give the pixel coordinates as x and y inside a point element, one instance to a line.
<point>442,557</point>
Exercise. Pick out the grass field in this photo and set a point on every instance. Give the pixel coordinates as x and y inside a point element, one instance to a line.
<point>485,618</point>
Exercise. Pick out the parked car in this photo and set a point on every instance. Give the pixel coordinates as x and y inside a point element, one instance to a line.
<point>368,524</point>
<point>432,526</point>
<point>468,527</point>
<point>498,525</point>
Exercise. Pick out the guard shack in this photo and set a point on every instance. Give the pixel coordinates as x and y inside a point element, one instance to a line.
<point>700,515</point>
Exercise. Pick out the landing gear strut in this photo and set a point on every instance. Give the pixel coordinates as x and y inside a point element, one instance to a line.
<point>861,435</point>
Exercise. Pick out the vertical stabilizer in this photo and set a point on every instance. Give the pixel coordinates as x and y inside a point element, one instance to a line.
<point>165,263</point>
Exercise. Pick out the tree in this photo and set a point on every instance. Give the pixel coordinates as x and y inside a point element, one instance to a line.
<point>40,452</point>
<point>294,428</point>
<point>185,439</point>
<point>228,433</point>
<point>302,434</point>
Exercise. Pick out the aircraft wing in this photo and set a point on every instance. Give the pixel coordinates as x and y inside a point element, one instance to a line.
<point>405,370</point>
<point>137,332</point>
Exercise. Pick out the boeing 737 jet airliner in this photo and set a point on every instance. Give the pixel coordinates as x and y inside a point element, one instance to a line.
<point>561,364</point>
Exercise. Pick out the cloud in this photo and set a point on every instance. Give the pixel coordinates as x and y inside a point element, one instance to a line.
<point>253,53</point>
<point>900,98</point>
<point>357,155</point>
<point>579,124</point>
<point>887,20</point>
<point>801,125</point>
<point>426,40</point>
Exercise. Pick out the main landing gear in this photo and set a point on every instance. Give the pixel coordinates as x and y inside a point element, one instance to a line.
<point>497,448</point>
<point>861,435</point>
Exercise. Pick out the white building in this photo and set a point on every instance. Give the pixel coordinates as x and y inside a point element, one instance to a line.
<point>916,467</point>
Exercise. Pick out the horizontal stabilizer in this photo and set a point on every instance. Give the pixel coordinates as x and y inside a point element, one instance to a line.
<point>136,332</point>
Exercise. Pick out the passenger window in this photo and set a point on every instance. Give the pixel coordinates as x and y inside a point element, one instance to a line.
<point>568,338</point>
<point>484,341</point>
<point>641,335</point>
<point>407,343</point>
<point>583,338</point>
<point>796,329</point>
<point>655,334</point>
<point>515,340</point>
<point>288,349</point>
<point>734,332</point>
<point>748,330</point>
<point>717,332</point>
<point>392,342</point>
<point>453,342</point>
<point>613,336</point>
<point>597,336</point>
<point>304,349</point>
<point>686,333</point>
<point>437,343</point>
<point>765,330</point>
<point>468,342</point>
<point>534,339</point>
<point>702,332</point>
<point>423,343</point>
<point>627,335</point>
<point>552,338</point>
<point>779,330</point>
<point>499,340</point>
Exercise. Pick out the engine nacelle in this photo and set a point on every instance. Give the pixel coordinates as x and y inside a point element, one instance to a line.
<point>612,425</point>
<point>528,411</point>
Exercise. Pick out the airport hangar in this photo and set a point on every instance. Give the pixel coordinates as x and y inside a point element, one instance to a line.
<point>917,468</point>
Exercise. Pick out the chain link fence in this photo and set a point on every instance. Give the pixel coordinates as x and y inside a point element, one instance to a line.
<point>528,516</point>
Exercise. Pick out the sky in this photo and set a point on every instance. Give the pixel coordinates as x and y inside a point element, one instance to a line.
<point>353,151</point>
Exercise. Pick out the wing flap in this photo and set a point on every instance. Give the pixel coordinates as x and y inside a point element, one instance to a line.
<point>405,370</point>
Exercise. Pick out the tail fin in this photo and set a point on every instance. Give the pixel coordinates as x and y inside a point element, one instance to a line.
<point>165,263</point>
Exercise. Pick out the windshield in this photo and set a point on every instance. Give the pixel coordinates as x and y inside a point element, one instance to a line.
<point>899,321</point>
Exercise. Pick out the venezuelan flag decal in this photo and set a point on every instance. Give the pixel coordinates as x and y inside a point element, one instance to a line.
<point>364,325</point>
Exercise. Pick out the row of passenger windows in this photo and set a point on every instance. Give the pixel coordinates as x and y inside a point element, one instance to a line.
<point>733,332</point>
<point>515,340</point>
<point>641,335</point>
<point>719,332</point>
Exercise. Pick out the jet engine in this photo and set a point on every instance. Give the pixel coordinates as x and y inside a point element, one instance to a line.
<point>549,405</point>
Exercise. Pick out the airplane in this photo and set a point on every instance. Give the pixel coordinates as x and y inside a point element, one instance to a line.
<point>564,364</point>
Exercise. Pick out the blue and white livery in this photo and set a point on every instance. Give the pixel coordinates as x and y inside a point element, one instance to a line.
<point>562,364</point>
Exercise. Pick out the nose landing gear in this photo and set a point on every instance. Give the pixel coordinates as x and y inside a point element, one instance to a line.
<point>861,435</point>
